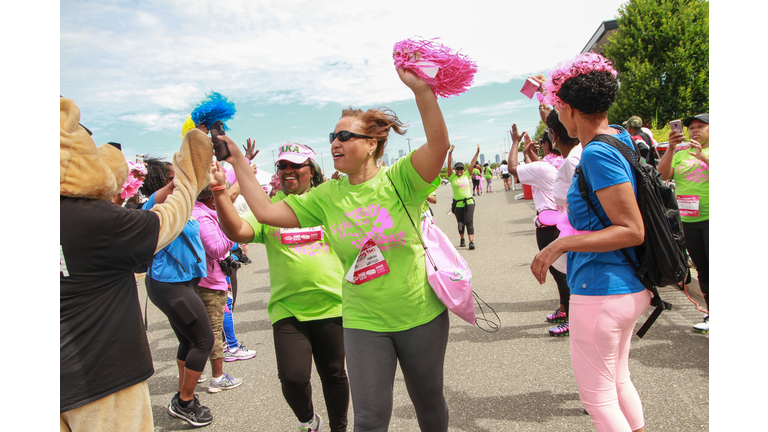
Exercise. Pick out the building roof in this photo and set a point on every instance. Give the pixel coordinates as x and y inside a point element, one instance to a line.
<point>606,29</point>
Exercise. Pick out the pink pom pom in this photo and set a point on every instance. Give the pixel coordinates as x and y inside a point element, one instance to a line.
<point>554,160</point>
<point>131,186</point>
<point>446,72</point>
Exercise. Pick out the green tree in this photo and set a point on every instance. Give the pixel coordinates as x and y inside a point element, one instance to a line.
<point>661,52</point>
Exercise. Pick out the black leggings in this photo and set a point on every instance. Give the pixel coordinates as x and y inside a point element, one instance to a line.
<point>545,236</point>
<point>372,362</point>
<point>189,320</point>
<point>296,342</point>
<point>697,243</point>
<point>465,217</point>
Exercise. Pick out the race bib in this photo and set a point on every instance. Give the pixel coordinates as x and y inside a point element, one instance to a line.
<point>369,265</point>
<point>689,205</point>
<point>300,235</point>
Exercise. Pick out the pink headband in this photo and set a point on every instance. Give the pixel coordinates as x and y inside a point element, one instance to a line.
<point>295,153</point>
<point>581,64</point>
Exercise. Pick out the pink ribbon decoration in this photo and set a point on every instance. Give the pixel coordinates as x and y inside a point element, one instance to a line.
<point>448,73</point>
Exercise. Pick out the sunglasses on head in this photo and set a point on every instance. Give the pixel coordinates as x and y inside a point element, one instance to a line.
<point>284,165</point>
<point>345,136</point>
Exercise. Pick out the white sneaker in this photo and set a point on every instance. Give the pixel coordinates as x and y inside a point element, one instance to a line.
<point>702,327</point>
<point>239,353</point>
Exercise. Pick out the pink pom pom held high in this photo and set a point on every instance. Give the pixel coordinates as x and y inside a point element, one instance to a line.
<point>446,72</point>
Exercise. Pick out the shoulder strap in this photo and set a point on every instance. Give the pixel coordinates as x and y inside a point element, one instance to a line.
<point>629,155</point>
<point>418,231</point>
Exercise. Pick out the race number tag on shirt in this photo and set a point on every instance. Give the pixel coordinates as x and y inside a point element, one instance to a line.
<point>369,264</point>
<point>689,205</point>
<point>300,235</point>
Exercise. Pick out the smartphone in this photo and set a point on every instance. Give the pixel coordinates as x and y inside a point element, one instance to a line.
<point>676,125</point>
<point>219,146</point>
<point>139,158</point>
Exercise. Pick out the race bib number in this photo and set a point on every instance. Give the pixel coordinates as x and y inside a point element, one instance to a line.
<point>369,265</point>
<point>300,235</point>
<point>689,205</point>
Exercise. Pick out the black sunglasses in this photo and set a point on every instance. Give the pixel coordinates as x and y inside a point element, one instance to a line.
<point>284,165</point>
<point>345,136</point>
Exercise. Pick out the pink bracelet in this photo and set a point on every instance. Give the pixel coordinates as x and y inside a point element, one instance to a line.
<point>218,188</point>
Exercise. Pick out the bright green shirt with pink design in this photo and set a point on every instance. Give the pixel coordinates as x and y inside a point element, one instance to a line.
<point>352,214</point>
<point>691,185</point>
<point>462,188</point>
<point>304,276</point>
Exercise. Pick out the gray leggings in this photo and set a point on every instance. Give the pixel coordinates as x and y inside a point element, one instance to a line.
<point>372,359</point>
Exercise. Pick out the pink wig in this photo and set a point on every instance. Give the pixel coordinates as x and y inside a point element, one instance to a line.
<point>581,64</point>
<point>446,72</point>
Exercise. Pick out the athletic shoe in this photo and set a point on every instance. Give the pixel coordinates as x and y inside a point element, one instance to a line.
<point>226,383</point>
<point>196,414</point>
<point>239,353</point>
<point>199,380</point>
<point>557,316</point>
<point>471,245</point>
<point>462,244</point>
<point>318,421</point>
<point>559,330</point>
<point>702,327</point>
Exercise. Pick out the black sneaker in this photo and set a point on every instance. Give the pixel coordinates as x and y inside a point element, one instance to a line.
<point>462,244</point>
<point>471,245</point>
<point>196,414</point>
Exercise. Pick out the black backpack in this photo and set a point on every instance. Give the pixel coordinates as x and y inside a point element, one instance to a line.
<point>662,255</point>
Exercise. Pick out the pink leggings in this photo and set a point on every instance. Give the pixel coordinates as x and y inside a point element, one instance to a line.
<point>601,328</point>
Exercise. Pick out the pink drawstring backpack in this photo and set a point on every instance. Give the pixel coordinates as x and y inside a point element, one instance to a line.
<point>448,272</point>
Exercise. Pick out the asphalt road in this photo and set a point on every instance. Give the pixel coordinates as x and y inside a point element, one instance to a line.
<point>517,379</point>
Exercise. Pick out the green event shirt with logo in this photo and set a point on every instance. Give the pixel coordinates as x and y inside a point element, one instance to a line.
<point>304,278</point>
<point>691,185</point>
<point>351,214</point>
<point>462,188</point>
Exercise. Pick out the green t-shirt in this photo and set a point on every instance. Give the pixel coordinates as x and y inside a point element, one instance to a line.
<point>462,188</point>
<point>488,173</point>
<point>475,172</point>
<point>351,214</point>
<point>691,185</point>
<point>304,278</point>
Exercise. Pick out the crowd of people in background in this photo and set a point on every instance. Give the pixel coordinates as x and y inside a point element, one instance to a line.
<point>357,337</point>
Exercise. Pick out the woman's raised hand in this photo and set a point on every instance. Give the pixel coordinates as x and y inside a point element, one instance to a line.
<point>217,174</point>
<point>250,149</point>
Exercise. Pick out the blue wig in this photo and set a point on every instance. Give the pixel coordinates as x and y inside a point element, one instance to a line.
<point>213,108</point>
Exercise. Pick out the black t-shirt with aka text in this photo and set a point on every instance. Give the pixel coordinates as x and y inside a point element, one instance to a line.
<point>103,345</point>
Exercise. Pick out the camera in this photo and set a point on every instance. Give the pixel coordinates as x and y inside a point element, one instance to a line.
<point>229,263</point>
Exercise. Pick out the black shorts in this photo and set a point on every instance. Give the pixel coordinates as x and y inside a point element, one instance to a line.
<point>505,175</point>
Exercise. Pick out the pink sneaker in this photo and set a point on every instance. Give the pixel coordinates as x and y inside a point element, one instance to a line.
<point>559,330</point>
<point>557,316</point>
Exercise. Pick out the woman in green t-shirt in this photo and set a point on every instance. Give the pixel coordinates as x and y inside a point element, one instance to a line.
<point>390,313</point>
<point>305,293</point>
<point>463,205</point>
<point>690,170</point>
<point>488,174</point>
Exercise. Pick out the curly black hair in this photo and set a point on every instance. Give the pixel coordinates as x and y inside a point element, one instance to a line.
<point>157,175</point>
<point>590,93</point>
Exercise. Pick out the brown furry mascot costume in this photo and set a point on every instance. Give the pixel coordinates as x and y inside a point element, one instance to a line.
<point>104,353</point>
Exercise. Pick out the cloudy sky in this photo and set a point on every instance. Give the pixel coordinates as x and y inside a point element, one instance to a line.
<point>137,68</point>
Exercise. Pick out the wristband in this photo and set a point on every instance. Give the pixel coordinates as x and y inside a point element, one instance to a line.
<point>218,188</point>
